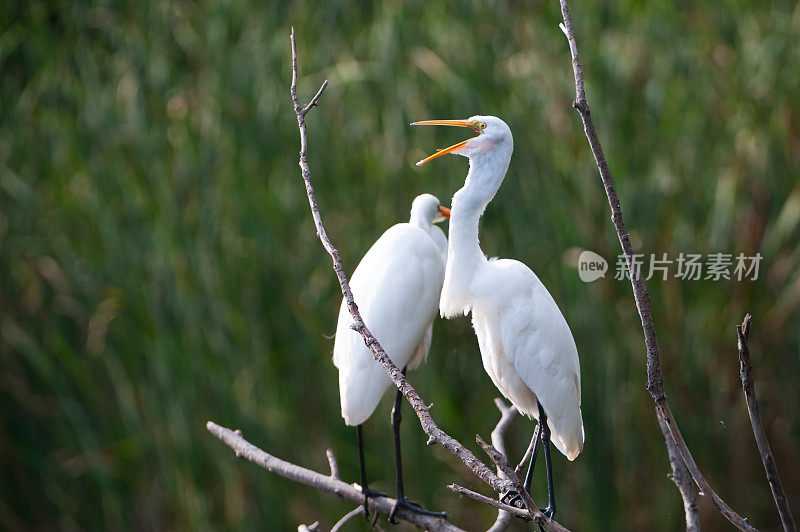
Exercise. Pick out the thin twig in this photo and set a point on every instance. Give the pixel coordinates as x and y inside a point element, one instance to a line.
<point>533,511</point>
<point>505,508</point>
<point>528,453</point>
<point>745,369</point>
<point>420,408</point>
<point>508,471</point>
<point>333,464</point>
<point>348,516</point>
<point>507,415</point>
<point>655,380</point>
<point>384,505</point>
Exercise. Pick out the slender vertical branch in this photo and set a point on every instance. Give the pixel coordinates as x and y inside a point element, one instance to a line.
<point>655,381</point>
<point>745,369</point>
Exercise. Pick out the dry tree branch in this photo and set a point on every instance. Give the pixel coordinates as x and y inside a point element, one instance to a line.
<point>502,464</point>
<point>745,368</point>
<point>435,434</point>
<point>526,456</point>
<point>655,380</point>
<point>334,465</point>
<point>507,415</point>
<point>682,478</point>
<point>348,516</point>
<point>461,490</point>
<point>384,505</point>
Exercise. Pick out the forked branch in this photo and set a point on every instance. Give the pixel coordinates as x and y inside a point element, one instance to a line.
<point>329,484</point>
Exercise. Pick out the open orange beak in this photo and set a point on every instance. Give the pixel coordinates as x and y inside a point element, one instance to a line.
<point>472,124</point>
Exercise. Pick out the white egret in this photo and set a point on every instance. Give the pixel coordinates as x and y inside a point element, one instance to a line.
<point>525,342</point>
<point>396,287</point>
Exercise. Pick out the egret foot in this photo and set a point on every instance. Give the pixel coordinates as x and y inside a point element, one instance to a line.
<point>369,492</point>
<point>512,498</point>
<point>412,506</point>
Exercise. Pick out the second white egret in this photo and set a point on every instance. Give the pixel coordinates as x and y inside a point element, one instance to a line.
<point>396,287</point>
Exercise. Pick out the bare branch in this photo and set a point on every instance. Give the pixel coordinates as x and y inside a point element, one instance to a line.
<point>655,380</point>
<point>745,369</point>
<point>508,471</point>
<point>507,415</point>
<point>505,508</point>
<point>384,505</point>
<point>503,465</point>
<point>426,420</point>
<point>348,516</point>
<point>682,478</point>
<point>333,464</point>
<point>528,453</point>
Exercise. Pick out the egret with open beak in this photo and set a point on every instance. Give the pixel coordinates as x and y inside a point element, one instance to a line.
<point>475,125</point>
<point>525,342</point>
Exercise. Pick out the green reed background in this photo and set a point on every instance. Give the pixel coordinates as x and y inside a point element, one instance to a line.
<point>159,267</point>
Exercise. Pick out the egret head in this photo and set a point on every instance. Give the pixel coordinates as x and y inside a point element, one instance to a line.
<point>492,133</point>
<point>426,210</point>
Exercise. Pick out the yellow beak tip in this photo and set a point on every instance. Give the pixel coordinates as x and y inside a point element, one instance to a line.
<point>420,163</point>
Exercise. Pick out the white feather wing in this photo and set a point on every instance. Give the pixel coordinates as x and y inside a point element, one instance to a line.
<point>396,287</point>
<point>535,339</point>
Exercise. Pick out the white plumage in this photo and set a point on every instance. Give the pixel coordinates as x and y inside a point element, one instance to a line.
<point>528,349</point>
<point>525,342</point>
<point>396,287</point>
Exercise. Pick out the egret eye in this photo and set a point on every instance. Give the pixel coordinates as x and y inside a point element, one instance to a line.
<point>483,126</point>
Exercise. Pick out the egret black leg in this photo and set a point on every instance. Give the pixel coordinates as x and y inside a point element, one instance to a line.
<point>401,498</point>
<point>541,435</point>
<point>550,511</point>
<point>536,440</point>
<point>512,497</point>
<point>364,487</point>
<point>398,462</point>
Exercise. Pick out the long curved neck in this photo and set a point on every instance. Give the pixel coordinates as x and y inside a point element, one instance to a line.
<point>464,246</point>
<point>481,185</point>
<point>464,255</point>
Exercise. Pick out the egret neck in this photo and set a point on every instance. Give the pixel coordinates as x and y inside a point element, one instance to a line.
<point>487,169</point>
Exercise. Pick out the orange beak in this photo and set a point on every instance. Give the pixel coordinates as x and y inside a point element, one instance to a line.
<point>461,123</point>
<point>445,211</point>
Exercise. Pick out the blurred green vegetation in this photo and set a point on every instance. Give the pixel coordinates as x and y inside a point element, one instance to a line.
<point>159,266</point>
